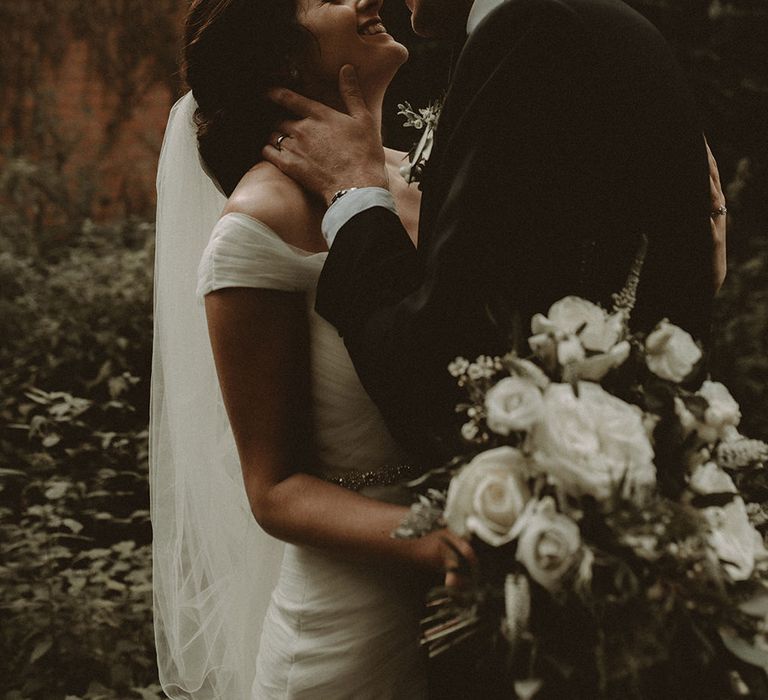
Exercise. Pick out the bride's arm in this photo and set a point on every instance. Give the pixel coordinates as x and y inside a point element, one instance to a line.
<point>260,344</point>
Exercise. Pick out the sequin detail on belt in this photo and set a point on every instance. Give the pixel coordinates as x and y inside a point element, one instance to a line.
<point>386,476</point>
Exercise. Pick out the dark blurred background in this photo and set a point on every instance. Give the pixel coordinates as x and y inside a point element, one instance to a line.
<point>85,89</point>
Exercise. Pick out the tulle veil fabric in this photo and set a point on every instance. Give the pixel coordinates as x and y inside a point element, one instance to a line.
<point>213,567</point>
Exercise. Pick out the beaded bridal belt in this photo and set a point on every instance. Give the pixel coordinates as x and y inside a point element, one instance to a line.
<point>355,480</point>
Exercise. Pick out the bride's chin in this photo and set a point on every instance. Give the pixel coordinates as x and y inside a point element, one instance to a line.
<point>381,70</point>
<point>397,56</point>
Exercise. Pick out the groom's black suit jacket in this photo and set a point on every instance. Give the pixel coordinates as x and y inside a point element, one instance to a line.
<point>567,132</point>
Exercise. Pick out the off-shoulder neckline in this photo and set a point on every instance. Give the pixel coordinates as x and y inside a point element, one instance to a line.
<point>253,220</point>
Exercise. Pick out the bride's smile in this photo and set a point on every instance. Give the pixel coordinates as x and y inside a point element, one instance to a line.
<point>349,31</point>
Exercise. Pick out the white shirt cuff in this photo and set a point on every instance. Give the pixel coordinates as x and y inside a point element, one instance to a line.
<point>352,203</point>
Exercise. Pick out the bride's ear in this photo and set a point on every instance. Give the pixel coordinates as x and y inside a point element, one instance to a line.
<point>290,74</point>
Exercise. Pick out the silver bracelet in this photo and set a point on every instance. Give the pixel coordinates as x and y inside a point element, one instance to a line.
<point>340,194</point>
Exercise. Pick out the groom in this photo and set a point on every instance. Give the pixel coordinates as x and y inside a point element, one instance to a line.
<point>567,133</point>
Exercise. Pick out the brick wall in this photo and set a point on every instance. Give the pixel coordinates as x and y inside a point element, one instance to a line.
<point>118,155</point>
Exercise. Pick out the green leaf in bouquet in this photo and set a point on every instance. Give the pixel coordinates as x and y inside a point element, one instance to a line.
<point>659,397</point>
<point>697,405</point>
<point>757,605</point>
<point>423,517</point>
<point>713,500</point>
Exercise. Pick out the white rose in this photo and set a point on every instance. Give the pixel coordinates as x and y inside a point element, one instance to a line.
<point>592,442</point>
<point>736,542</point>
<point>548,544</point>
<point>671,352</point>
<point>513,404</point>
<point>599,330</point>
<point>723,413</point>
<point>570,349</point>
<point>487,496</point>
<point>596,367</point>
<point>544,346</point>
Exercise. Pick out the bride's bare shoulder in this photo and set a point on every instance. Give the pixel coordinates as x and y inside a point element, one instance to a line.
<point>266,194</point>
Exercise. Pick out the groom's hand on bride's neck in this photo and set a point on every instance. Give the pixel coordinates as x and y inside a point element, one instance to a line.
<point>326,150</point>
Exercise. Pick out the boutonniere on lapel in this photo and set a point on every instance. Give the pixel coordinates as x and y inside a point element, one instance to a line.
<point>423,120</point>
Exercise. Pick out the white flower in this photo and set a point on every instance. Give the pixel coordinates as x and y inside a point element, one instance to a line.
<point>569,350</point>
<point>513,404</point>
<point>544,346</point>
<point>590,443</point>
<point>459,367</point>
<point>478,370</point>
<point>549,543</point>
<point>528,370</point>
<point>559,349</point>
<point>708,478</point>
<point>720,418</point>
<point>487,496</point>
<point>671,352</point>
<point>469,430</point>
<point>596,367</point>
<point>723,412</point>
<point>737,543</point>
<point>690,424</point>
<point>517,603</point>
<point>732,536</point>
<point>737,452</point>
<point>599,330</point>
<point>650,421</point>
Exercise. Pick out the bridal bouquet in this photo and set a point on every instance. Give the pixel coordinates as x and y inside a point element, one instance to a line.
<point>617,514</point>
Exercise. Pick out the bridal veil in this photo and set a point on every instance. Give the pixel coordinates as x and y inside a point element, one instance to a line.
<point>213,567</point>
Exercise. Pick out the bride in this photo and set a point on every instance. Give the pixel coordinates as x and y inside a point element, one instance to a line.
<point>273,475</point>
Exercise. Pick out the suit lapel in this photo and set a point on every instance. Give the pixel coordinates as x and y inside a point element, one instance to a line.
<point>475,65</point>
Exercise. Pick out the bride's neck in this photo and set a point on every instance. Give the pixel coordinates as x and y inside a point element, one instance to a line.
<point>329,95</point>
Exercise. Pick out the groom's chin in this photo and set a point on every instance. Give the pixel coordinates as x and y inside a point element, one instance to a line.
<point>438,19</point>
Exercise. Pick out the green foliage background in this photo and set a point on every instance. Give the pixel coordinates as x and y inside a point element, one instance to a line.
<point>75,323</point>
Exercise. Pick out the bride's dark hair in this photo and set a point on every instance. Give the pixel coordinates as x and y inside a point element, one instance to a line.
<point>234,51</point>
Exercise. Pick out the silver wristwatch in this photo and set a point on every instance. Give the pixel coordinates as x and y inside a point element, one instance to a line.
<point>340,194</point>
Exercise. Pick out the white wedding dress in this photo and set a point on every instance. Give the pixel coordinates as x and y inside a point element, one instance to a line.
<point>334,629</point>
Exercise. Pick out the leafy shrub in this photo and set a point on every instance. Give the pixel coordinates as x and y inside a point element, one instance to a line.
<point>75,580</point>
<point>740,352</point>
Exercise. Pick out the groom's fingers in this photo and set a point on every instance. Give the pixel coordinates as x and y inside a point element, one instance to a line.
<point>350,91</point>
<point>718,224</point>
<point>282,158</point>
<point>714,171</point>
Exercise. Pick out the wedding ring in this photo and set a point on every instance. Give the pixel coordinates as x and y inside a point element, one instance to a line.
<point>720,211</point>
<point>279,142</point>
